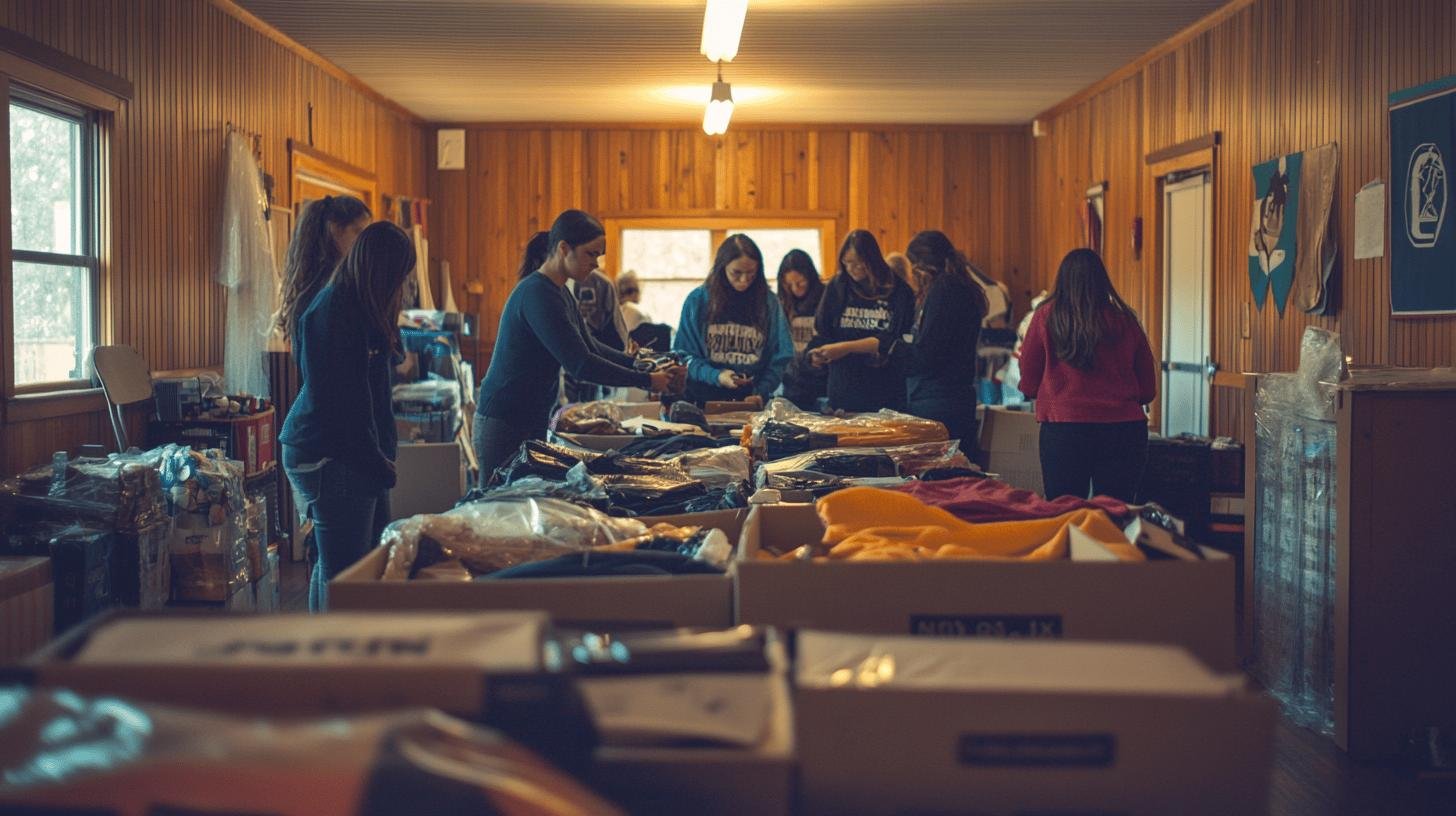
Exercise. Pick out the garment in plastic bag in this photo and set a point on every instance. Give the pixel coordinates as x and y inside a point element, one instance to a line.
<point>781,429</point>
<point>668,446</point>
<point>715,467</point>
<point>63,752</point>
<point>903,460</point>
<point>1295,525</point>
<point>599,417</point>
<point>578,487</point>
<point>651,494</point>
<point>245,266</point>
<point>426,395</point>
<point>492,535</point>
<point>542,460</point>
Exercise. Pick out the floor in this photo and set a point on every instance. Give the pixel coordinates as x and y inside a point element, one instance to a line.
<point>1311,776</point>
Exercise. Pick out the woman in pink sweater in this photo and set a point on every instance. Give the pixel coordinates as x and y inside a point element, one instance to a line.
<point>1086,362</point>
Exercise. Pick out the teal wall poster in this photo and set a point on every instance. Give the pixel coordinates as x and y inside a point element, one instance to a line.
<point>1290,245</point>
<point>1422,237</point>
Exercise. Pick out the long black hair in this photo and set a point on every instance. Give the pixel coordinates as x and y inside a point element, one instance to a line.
<point>374,273</point>
<point>882,277</point>
<point>313,254</point>
<point>797,260</point>
<point>537,249</point>
<point>932,253</point>
<point>575,227</point>
<point>727,303</point>
<point>1078,323</point>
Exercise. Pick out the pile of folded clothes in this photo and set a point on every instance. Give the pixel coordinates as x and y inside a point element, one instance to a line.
<point>515,536</point>
<point>782,430</point>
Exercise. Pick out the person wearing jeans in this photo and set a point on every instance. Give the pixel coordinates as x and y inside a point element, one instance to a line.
<point>339,440</point>
<point>1087,363</point>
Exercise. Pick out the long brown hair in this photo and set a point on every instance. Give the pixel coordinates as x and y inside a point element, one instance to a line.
<point>313,254</point>
<point>374,273</point>
<point>882,277</point>
<point>1079,303</point>
<point>725,302</point>
<point>932,253</point>
<point>797,260</point>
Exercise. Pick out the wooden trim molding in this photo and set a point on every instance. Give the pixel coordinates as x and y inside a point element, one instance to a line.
<point>948,127</point>
<point>1230,379</point>
<point>261,26</point>
<point>1164,48</point>
<point>1182,149</point>
<point>33,407</point>
<point>313,168</point>
<point>58,72</point>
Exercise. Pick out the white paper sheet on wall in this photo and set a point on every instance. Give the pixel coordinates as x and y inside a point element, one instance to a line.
<point>1370,221</point>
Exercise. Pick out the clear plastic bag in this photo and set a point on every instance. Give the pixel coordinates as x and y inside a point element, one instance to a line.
<point>124,492</point>
<point>492,535</point>
<point>715,467</point>
<point>902,460</point>
<point>426,395</point>
<point>782,429</point>
<point>600,417</point>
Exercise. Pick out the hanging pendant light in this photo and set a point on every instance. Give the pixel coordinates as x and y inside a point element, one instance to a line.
<point>722,28</point>
<point>720,107</point>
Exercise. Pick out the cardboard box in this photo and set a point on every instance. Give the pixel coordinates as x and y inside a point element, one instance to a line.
<point>141,567</point>
<point>1011,448</point>
<point>426,426</point>
<point>27,605</point>
<point>898,725</point>
<point>1188,603</point>
<point>248,439</point>
<point>709,781</point>
<point>209,563</point>
<point>649,600</point>
<point>431,479</point>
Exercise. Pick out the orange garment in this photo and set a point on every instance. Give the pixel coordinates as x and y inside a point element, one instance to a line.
<point>866,523</point>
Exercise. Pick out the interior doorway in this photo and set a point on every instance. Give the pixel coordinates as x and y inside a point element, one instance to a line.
<point>1188,367</point>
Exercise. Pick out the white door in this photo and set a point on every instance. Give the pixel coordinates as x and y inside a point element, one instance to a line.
<point>1187,265</point>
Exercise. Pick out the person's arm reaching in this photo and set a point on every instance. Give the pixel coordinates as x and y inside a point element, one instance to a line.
<point>546,313</point>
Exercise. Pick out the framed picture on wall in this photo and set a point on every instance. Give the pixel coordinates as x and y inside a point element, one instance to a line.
<point>1422,232</point>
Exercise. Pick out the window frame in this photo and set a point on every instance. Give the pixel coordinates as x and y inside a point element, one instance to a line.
<point>717,224</point>
<point>89,211</point>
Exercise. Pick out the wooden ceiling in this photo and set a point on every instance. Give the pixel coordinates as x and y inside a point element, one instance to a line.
<point>897,61</point>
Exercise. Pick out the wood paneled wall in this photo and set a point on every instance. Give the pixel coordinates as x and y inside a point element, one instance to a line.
<point>1275,77</point>
<point>969,182</point>
<point>195,67</point>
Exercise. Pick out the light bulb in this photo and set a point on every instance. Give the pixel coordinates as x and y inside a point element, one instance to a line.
<point>720,109</point>
<point>722,28</point>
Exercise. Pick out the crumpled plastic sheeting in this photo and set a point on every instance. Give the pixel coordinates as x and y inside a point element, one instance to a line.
<point>782,429</point>
<point>493,535</point>
<point>600,417</point>
<point>902,460</point>
<point>714,467</point>
<point>578,487</point>
<point>61,751</point>
<point>245,266</point>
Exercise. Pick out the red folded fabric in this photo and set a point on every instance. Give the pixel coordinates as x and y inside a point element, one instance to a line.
<point>986,500</point>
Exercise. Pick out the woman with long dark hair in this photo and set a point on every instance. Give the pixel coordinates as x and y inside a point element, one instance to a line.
<point>800,291</point>
<point>941,377</point>
<point>325,233</point>
<point>339,440</point>
<point>1087,363</point>
<point>541,334</point>
<point>534,254</point>
<point>863,320</point>
<point>734,335</point>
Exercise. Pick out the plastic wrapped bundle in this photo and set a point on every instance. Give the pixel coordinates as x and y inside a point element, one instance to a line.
<point>636,486</point>
<point>493,535</point>
<point>1295,527</point>
<point>578,487</point>
<point>123,492</point>
<point>599,417</point>
<point>201,482</point>
<point>903,460</point>
<point>426,396</point>
<point>542,460</point>
<point>783,430</point>
<point>714,467</point>
<point>61,752</point>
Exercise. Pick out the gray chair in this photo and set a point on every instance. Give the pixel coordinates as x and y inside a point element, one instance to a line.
<point>125,380</point>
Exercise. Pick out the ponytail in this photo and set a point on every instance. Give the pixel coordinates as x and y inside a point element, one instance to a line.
<point>312,255</point>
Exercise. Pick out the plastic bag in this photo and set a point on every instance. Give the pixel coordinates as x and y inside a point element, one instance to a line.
<point>578,487</point>
<point>669,446</point>
<point>204,482</point>
<point>539,459</point>
<point>715,467</point>
<point>783,430</point>
<point>245,266</point>
<point>600,417</point>
<point>903,460</point>
<point>62,752</point>
<point>124,492</point>
<point>492,535</point>
<point>426,395</point>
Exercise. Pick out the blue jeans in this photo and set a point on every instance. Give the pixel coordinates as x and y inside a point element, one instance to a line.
<point>347,517</point>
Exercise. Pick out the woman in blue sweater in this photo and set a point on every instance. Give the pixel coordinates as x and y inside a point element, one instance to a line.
<point>542,334</point>
<point>732,330</point>
<point>339,441</point>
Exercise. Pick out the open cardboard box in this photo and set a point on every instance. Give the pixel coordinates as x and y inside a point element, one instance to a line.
<point>893,725</point>
<point>649,600</point>
<point>1010,447</point>
<point>1188,603</point>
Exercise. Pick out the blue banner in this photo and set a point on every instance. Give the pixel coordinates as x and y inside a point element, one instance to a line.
<point>1272,245</point>
<point>1422,235</point>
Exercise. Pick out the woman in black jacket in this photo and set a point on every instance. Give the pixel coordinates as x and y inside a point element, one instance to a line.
<point>941,378</point>
<point>860,327</point>
<point>339,440</point>
<point>800,292</point>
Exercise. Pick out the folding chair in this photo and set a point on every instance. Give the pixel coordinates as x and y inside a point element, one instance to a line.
<point>125,380</point>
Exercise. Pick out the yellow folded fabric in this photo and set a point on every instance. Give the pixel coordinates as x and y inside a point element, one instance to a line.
<point>866,523</point>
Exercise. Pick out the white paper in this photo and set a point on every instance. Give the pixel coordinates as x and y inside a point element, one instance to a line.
<point>1370,221</point>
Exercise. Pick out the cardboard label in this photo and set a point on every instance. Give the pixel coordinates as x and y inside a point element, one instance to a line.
<point>1038,750</point>
<point>994,626</point>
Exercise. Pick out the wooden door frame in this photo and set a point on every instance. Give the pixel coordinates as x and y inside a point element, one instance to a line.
<point>1191,156</point>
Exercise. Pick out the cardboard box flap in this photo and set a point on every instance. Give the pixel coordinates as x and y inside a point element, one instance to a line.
<point>832,660</point>
<point>502,642</point>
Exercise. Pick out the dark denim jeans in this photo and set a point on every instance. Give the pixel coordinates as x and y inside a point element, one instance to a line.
<point>497,442</point>
<point>1108,457</point>
<point>347,517</point>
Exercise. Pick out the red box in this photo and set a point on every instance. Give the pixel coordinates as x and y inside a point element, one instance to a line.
<point>248,439</point>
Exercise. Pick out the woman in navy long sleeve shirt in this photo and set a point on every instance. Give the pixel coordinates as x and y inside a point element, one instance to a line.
<point>941,380</point>
<point>339,440</point>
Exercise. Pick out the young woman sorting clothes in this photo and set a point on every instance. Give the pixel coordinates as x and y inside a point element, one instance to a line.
<point>541,334</point>
<point>339,438</point>
<point>941,377</point>
<point>733,333</point>
<point>800,291</point>
<point>1087,363</point>
<point>325,233</point>
<point>866,313</point>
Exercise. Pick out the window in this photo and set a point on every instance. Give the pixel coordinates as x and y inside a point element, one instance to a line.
<point>672,256</point>
<point>53,238</point>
